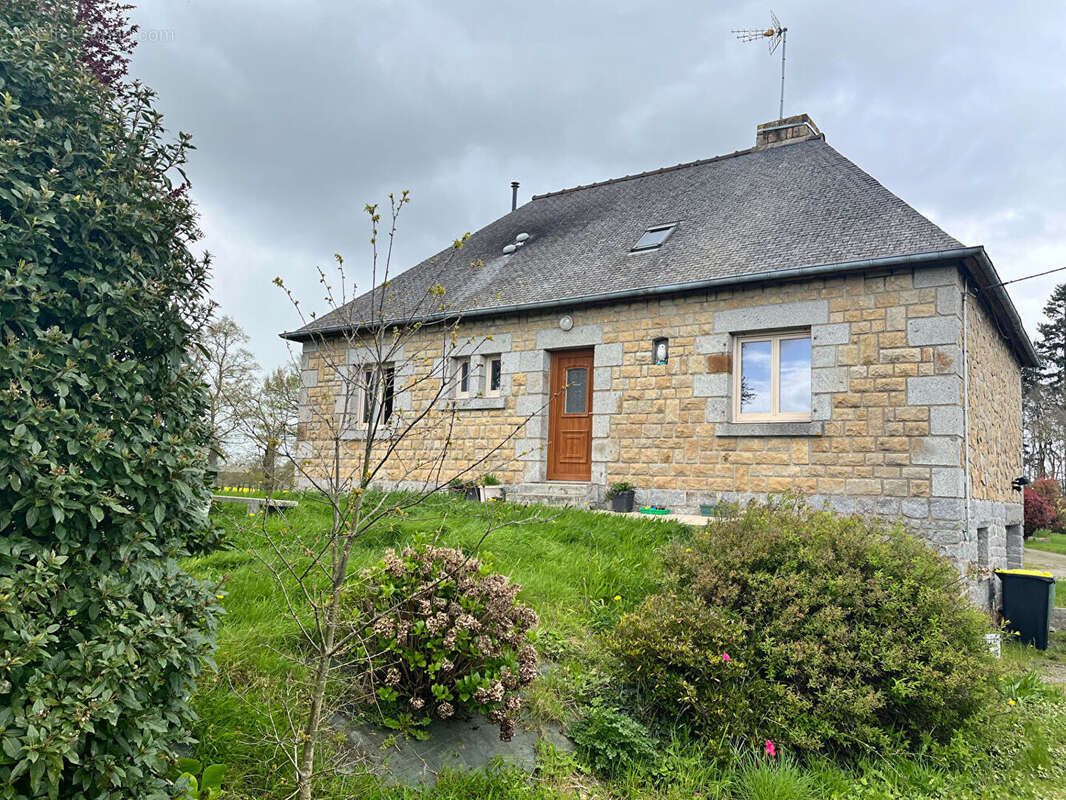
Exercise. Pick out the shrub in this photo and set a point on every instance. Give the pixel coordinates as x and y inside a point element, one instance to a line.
<point>843,635</point>
<point>463,487</point>
<point>611,741</point>
<point>205,783</point>
<point>1039,512</point>
<point>449,635</point>
<point>1052,510</point>
<point>103,449</point>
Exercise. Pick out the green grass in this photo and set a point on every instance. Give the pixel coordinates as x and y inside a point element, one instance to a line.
<point>1056,542</point>
<point>572,566</point>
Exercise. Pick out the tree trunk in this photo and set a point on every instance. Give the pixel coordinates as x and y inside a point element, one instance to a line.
<point>306,768</point>
<point>270,457</point>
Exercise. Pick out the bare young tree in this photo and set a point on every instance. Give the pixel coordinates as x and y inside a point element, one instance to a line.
<point>271,422</point>
<point>230,372</point>
<point>381,414</point>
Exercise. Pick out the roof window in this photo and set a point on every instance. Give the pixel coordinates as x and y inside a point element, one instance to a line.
<point>654,237</point>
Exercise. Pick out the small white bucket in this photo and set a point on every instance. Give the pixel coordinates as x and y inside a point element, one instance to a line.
<point>995,644</point>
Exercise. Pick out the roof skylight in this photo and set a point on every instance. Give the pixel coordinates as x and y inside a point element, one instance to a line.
<point>654,237</point>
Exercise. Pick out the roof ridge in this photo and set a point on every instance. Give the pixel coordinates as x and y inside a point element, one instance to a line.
<point>697,163</point>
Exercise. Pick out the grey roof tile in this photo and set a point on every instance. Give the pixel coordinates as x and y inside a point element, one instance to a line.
<point>747,213</point>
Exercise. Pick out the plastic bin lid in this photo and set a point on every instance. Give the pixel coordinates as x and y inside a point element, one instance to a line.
<point>1028,573</point>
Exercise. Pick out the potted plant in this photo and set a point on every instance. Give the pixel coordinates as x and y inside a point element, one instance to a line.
<point>490,488</point>
<point>467,489</point>
<point>621,496</point>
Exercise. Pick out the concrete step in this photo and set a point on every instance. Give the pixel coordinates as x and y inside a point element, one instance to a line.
<point>551,494</point>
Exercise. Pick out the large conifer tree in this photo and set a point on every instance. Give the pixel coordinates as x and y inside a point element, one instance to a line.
<point>1044,388</point>
<point>1052,342</point>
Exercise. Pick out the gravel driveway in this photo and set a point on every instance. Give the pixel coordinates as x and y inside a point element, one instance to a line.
<point>1053,562</point>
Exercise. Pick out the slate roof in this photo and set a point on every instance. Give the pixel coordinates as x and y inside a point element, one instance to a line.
<point>749,213</point>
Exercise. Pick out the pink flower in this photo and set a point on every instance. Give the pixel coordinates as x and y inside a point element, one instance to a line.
<point>726,658</point>
<point>771,749</point>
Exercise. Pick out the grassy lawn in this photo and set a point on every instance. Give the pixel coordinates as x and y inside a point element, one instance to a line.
<point>1055,542</point>
<point>572,565</point>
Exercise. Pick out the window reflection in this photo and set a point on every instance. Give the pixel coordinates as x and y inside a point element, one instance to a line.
<point>755,364</point>
<point>795,376</point>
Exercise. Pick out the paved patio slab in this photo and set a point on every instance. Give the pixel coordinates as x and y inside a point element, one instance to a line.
<point>469,744</point>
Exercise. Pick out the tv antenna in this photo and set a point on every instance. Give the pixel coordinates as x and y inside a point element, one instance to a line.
<point>777,35</point>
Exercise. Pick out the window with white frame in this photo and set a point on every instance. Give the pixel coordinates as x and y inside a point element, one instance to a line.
<point>377,394</point>
<point>477,376</point>
<point>772,377</point>
<point>493,375</point>
<point>463,376</point>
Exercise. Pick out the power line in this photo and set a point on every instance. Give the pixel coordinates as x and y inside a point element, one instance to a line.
<point>1025,278</point>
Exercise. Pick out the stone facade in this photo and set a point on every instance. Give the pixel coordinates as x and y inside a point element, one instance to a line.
<point>994,454</point>
<point>888,421</point>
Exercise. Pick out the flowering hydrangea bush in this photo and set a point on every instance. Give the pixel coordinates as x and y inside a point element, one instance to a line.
<point>447,635</point>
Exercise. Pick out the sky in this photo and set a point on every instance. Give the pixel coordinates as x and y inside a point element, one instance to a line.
<point>304,111</point>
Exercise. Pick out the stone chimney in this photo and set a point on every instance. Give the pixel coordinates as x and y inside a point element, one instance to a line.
<point>789,130</point>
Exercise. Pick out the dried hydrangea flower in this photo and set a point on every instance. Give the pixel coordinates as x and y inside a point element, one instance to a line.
<point>459,624</point>
<point>506,730</point>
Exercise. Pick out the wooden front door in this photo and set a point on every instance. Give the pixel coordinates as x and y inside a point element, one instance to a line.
<point>570,417</point>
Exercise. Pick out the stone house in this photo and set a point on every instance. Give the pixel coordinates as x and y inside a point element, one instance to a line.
<point>766,321</point>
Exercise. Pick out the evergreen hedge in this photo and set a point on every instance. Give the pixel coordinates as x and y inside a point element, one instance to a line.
<point>102,449</point>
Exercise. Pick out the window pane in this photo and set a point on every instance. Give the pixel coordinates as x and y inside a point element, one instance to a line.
<point>795,389</point>
<point>755,377</point>
<point>389,393</point>
<point>369,391</point>
<point>576,388</point>
<point>653,237</point>
<point>464,376</point>
<point>494,375</point>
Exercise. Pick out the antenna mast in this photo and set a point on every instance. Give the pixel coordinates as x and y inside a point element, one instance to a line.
<point>777,36</point>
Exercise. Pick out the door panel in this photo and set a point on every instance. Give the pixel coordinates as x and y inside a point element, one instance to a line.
<point>570,416</point>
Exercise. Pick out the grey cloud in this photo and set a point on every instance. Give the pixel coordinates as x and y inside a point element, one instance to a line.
<point>304,111</point>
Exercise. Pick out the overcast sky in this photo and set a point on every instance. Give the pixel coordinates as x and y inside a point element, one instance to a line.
<point>303,111</point>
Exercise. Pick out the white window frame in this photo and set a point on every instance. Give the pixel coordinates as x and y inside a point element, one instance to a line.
<point>457,375</point>
<point>775,338</point>
<point>494,358</point>
<point>362,389</point>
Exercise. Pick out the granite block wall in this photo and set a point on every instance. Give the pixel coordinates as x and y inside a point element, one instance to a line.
<point>887,433</point>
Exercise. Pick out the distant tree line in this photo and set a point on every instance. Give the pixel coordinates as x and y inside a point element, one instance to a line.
<point>1044,396</point>
<point>251,413</point>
